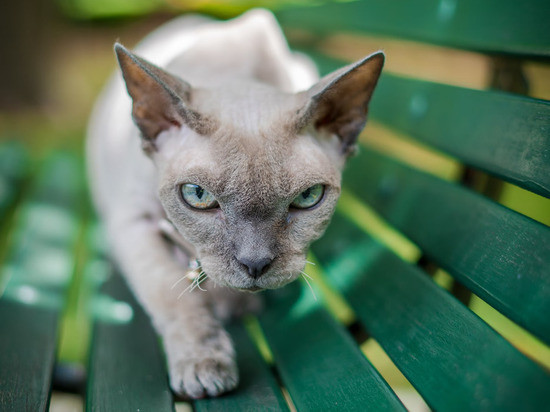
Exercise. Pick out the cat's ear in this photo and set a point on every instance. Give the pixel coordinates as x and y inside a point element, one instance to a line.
<point>159,98</point>
<point>338,103</point>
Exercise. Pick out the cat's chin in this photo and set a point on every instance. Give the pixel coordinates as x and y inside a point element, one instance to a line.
<point>240,281</point>
<point>261,285</point>
<point>252,289</point>
<point>258,285</point>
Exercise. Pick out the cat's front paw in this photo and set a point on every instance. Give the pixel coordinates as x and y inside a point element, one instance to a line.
<point>198,378</point>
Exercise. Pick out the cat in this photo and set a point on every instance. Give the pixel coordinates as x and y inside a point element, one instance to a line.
<point>232,164</point>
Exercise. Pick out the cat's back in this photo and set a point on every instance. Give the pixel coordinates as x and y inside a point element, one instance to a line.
<point>206,52</point>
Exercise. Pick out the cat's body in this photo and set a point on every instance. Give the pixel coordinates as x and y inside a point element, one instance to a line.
<point>243,125</point>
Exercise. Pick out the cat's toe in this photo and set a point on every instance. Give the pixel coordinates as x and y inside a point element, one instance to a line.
<point>207,377</point>
<point>215,377</point>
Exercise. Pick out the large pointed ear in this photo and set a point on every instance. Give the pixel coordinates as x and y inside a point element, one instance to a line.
<point>338,103</point>
<point>159,98</point>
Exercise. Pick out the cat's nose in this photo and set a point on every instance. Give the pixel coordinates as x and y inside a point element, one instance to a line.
<point>256,267</point>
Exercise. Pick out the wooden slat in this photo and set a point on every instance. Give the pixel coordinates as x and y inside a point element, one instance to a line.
<point>27,346</point>
<point>36,275</point>
<point>126,369</point>
<point>502,26</point>
<point>452,357</point>
<point>320,365</point>
<point>257,390</point>
<point>500,255</point>
<point>502,134</point>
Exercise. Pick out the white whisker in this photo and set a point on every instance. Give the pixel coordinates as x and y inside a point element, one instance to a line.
<point>181,294</point>
<point>198,280</point>
<point>310,288</point>
<point>305,274</point>
<point>178,281</point>
<point>192,285</point>
<point>311,263</point>
<point>201,281</point>
<point>186,289</point>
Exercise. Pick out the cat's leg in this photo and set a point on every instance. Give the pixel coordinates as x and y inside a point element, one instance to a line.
<point>200,353</point>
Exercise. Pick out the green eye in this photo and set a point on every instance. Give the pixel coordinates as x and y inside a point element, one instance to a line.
<point>195,196</point>
<point>309,197</point>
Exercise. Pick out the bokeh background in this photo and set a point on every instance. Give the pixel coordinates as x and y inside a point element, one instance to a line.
<point>56,55</point>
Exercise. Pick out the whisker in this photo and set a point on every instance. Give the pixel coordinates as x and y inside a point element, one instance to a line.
<point>305,274</point>
<point>181,294</point>
<point>191,286</point>
<point>178,281</point>
<point>311,263</point>
<point>310,288</point>
<point>201,281</point>
<point>186,289</point>
<point>201,278</point>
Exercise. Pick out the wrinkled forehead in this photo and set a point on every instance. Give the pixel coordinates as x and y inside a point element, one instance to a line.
<point>267,169</point>
<point>253,160</point>
<point>247,106</point>
<point>258,173</point>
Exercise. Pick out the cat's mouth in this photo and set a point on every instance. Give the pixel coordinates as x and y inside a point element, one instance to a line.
<point>253,288</point>
<point>241,281</point>
<point>274,281</point>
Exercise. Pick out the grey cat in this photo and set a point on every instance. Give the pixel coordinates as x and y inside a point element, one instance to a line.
<point>235,152</point>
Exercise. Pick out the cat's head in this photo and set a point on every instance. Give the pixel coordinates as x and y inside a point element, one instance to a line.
<point>248,174</point>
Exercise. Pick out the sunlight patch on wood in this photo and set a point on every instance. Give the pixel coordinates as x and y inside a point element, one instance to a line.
<point>538,76</point>
<point>524,341</point>
<point>391,374</point>
<point>332,299</point>
<point>409,151</point>
<point>371,222</point>
<point>413,59</point>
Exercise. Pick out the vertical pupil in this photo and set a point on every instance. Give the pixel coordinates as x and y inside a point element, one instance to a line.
<point>199,191</point>
<point>305,193</point>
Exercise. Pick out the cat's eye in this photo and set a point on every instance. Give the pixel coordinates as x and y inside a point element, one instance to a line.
<point>197,197</point>
<point>309,197</point>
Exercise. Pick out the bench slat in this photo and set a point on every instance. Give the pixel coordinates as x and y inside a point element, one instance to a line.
<point>126,369</point>
<point>27,356</point>
<point>502,134</point>
<point>36,275</point>
<point>499,254</point>
<point>455,360</point>
<point>320,365</point>
<point>257,388</point>
<point>502,26</point>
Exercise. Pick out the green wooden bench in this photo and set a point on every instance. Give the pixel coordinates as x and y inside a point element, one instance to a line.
<point>300,353</point>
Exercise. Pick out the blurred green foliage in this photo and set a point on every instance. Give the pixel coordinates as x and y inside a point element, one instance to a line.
<point>93,9</point>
